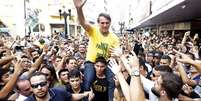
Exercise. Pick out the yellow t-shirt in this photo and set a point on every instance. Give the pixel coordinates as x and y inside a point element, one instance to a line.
<point>99,45</point>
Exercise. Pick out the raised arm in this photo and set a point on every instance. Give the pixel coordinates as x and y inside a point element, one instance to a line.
<point>186,59</point>
<point>115,68</point>
<point>11,83</point>
<point>5,60</point>
<point>38,62</point>
<point>185,38</point>
<point>136,88</point>
<point>78,5</point>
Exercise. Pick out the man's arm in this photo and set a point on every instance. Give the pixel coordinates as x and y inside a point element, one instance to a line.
<point>11,83</point>
<point>79,4</point>
<point>38,62</point>
<point>184,76</point>
<point>136,88</point>
<point>76,97</point>
<point>186,59</point>
<point>5,60</point>
<point>116,69</point>
<point>124,86</point>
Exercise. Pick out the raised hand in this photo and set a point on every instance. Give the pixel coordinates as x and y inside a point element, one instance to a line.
<point>18,67</point>
<point>133,60</point>
<point>113,66</point>
<point>116,52</point>
<point>187,33</point>
<point>185,58</point>
<point>79,3</point>
<point>45,48</point>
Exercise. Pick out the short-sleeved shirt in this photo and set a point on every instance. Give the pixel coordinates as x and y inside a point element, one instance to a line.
<point>56,94</point>
<point>99,44</point>
<point>100,89</point>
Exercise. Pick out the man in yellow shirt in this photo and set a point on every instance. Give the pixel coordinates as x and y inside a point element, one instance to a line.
<point>100,41</point>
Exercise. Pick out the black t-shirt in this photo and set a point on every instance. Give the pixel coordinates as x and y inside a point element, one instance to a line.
<point>100,89</point>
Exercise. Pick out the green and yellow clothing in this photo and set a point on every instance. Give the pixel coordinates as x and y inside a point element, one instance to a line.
<point>99,44</point>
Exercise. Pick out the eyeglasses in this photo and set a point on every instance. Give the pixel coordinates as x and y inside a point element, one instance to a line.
<point>42,84</point>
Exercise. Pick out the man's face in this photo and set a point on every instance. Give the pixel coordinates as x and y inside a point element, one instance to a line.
<point>75,82</point>
<point>64,77</point>
<point>35,55</point>
<point>164,62</point>
<point>104,24</point>
<point>82,49</point>
<point>39,86</point>
<point>156,60</point>
<point>100,68</point>
<point>24,87</point>
<point>155,75</point>
<point>26,63</point>
<point>149,58</point>
<point>57,61</point>
<point>72,64</point>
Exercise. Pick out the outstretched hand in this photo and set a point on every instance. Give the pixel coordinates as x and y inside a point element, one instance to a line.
<point>79,3</point>
<point>184,58</point>
<point>113,66</point>
<point>116,52</point>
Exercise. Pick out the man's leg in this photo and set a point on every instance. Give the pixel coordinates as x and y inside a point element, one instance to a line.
<point>89,75</point>
<point>111,83</point>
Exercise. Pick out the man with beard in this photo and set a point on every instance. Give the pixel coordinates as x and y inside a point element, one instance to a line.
<point>63,76</point>
<point>166,88</point>
<point>41,92</point>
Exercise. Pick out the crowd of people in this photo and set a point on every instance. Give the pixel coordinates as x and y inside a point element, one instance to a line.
<point>100,66</point>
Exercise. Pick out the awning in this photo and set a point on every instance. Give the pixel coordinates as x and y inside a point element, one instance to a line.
<point>184,10</point>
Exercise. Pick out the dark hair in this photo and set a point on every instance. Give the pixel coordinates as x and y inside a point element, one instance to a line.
<point>158,54</point>
<point>71,58</point>
<point>37,74</point>
<point>58,57</point>
<point>62,70</point>
<point>57,48</point>
<point>101,59</point>
<point>24,56</point>
<point>142,63</point>
<point>172,84</point>
<point>2,72</point>
<point>163,68</point>
<point>50,67</point>
<point>166,57</point>
<point>74,73</point>
<point>107,16</point>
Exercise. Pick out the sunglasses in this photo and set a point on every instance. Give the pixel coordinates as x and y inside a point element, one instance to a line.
<point>42,84</point>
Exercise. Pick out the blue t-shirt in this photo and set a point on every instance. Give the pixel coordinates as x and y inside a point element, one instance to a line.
<point>56,94</point>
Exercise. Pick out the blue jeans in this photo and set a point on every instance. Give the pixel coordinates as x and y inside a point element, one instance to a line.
<point>89,77</point>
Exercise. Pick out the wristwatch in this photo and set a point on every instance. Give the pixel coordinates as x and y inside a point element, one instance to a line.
<point>135,73</point>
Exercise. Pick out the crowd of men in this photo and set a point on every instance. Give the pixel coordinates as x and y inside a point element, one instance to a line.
<point>100,66</point>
